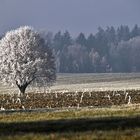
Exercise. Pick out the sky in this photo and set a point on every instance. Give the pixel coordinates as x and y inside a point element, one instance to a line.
<point>73,15</point>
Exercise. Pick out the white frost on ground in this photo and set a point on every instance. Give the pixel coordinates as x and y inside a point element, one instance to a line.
<point>89,82</point>
<point>102,86</point>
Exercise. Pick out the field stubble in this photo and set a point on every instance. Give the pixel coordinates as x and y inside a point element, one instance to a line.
<point>69,99</point>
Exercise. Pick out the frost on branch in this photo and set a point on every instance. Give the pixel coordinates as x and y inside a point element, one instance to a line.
<point>25,59</point>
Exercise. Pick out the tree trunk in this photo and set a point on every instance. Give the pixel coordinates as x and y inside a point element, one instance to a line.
<point>22,88</point>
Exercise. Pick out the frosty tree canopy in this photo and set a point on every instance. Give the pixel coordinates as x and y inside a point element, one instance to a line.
<point>25,58</point>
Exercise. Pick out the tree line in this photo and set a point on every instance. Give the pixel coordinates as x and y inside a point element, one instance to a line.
<point>109,50</point>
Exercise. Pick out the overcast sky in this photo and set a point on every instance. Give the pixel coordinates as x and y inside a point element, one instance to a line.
<point>73,15</point>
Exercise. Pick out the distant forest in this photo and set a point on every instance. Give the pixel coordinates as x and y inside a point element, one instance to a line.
<point>109,50</point>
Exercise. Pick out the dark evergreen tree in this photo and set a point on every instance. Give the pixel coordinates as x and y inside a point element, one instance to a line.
<point>91,42</point>
<point>57,41</point>
<point>66,39</point>
<point>110,34</point>
<point>135,31</point>
<point>123,33</point>
<point>81,39</point>
<point>101,42</point>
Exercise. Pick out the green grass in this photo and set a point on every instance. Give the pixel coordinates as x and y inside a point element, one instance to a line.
<point>120,111</point>
<point>117,122</point>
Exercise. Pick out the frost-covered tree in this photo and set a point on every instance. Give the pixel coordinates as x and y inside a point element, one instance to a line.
<point>25,59</point>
